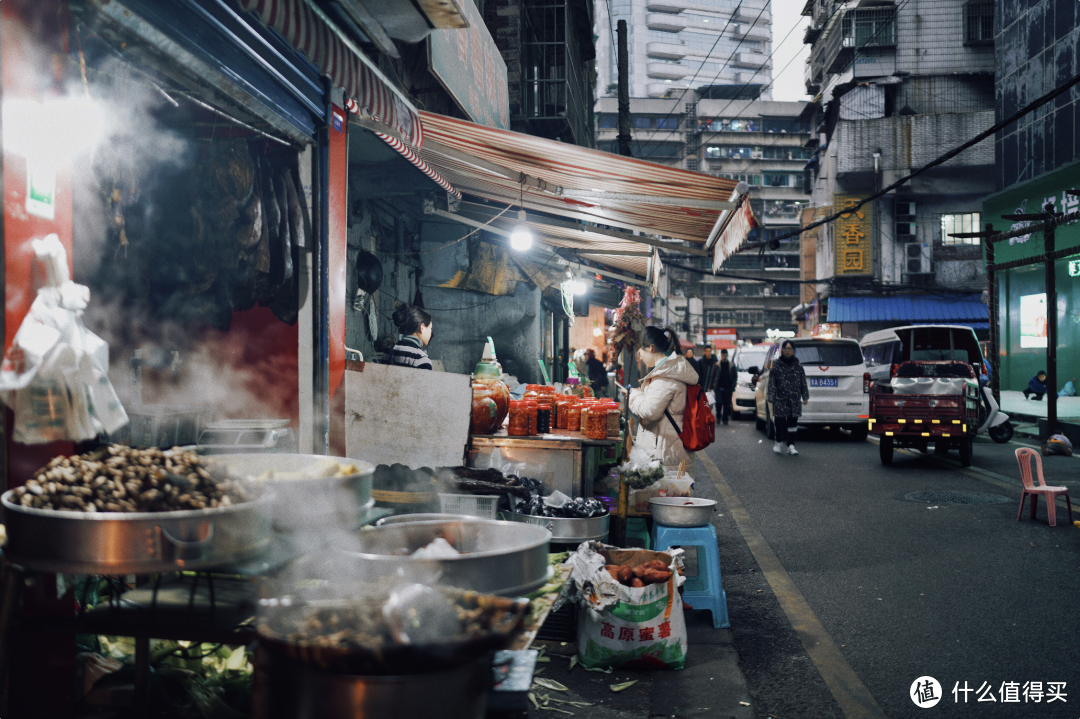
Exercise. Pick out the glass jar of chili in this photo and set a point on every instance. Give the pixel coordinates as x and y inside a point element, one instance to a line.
<point>613,415</point>
<point>573,417</point>
<point>562,413</point>
<point>533,410</point>
<point>596,421</point>
<point>518,425</point>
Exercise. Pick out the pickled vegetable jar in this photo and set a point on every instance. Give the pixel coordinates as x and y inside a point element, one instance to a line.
<point>596,421</point>
<point>533,411</point>
<point>573,417</point>
<point>518,425</point>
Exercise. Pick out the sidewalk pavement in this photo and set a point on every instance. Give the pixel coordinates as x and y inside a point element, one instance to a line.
<point>1015,404</point>
<point>712,686</point>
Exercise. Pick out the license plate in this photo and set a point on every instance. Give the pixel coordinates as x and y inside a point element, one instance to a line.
<point>824,382</point>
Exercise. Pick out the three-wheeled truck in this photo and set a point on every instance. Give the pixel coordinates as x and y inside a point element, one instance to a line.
<point>926,403</point>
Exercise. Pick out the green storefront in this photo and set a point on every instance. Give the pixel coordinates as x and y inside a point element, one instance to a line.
<point>1022,300</point>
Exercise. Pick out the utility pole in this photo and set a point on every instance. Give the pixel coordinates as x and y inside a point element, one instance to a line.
<point>1050,269</point>
<point>623,138</point>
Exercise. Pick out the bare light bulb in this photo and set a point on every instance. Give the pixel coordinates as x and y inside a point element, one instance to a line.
<point>521,237</point>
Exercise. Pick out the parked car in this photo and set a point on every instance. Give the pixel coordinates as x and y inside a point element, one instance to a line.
<point>748,359</point>
<point>838,381</point>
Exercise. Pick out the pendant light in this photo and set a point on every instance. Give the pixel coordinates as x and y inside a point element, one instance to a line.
<point>521,236</point>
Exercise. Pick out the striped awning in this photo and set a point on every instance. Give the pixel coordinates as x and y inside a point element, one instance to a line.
<point>312,33</point>
<point>571,239</point>
<point>575,182</point>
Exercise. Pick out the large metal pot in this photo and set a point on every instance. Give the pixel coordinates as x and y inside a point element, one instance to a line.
<point>506,558</point>
<point>422,517</point>
<point>135,542</point>
<point>681,511</point>
<point>567,530</point>
<point>312,503</point>
<point>289,690</point>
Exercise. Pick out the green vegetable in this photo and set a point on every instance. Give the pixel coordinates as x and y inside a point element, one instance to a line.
<point>624,685</point>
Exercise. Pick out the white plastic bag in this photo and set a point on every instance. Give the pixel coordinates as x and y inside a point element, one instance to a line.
<point>55,376</point>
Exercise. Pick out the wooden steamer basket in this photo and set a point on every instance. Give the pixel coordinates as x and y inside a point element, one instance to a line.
<point>135,542</point>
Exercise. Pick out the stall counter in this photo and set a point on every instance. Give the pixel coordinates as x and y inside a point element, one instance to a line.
<point>563,460</point>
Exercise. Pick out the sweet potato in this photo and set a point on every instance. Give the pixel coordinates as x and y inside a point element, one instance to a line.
<point>613,570</point>
<point>637,583</point>
<point>655,576</point>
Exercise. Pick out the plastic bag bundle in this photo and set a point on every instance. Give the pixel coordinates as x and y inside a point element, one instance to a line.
<point>55,376</point>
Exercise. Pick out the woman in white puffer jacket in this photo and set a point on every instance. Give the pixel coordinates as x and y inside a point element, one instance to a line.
<point>663,388</point>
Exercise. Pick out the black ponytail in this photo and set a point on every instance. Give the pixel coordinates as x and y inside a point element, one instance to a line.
<point>409,318</point>
<point>665,339</point>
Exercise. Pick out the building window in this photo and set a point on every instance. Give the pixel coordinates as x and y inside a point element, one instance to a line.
<point>786,153</point>
<point>608,122</point>
<point>777,179</point>
<point>784,124</point>
<point>874,27</point>
<point>966,222</point>
<point>754,180</point>
<point>730,152</point>
<point>735,318</point>
<point>718,124</point>
<point>979,23</point>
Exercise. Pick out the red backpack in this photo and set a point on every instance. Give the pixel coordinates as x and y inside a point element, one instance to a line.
<point>699,422</point>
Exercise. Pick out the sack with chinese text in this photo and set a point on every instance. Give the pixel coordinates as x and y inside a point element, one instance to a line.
<point>627,626</point>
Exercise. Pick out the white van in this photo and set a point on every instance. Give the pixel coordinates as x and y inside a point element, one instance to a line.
<point>884,348</point>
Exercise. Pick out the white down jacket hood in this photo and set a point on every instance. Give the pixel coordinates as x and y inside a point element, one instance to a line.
<point>664,388</point>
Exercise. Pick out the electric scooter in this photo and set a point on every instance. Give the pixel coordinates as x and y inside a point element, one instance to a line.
<point>995,422</point>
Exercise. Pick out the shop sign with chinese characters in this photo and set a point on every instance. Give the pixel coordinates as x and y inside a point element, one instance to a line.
<point>854,233</point>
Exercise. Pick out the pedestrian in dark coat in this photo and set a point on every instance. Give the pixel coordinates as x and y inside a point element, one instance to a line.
<point>726,376</point>
<point>787,386</point>
<point>707,367</point>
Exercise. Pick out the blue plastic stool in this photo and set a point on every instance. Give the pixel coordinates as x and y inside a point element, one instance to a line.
<point>638,531</point>
<point>703,591</point>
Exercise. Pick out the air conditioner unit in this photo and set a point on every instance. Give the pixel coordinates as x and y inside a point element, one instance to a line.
<point>904,210</point>
<point>905,231</point>
<point>917,258</point>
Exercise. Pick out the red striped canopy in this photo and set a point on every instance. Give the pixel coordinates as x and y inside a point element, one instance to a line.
<point>617,191</point>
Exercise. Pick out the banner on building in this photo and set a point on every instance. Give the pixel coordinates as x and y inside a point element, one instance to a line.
<point>854,237</point>
<point>721,337</point>
<point>1030,198</point>
<point>467,63</point>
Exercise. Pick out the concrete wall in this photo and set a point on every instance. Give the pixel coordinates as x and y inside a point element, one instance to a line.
<point>462,320</point>
<point>911,141</point>
<point>1038,48</point>
<point>930,40</point>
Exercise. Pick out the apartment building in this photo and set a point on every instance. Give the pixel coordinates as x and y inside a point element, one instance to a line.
<point>762,142</point>
<point>896,85</point>
<point>677,44</point>
<point>1038,163</point>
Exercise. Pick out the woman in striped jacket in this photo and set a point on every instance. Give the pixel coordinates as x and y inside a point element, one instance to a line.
<point>415,327</point>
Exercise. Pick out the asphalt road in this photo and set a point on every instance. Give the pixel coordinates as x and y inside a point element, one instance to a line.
<point>841,593</point>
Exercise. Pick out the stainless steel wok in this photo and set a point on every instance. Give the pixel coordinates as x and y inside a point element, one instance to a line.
<point>506,558</point>
<point>567,530</point>
<point>306,504</point>
<point>135,542</point>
